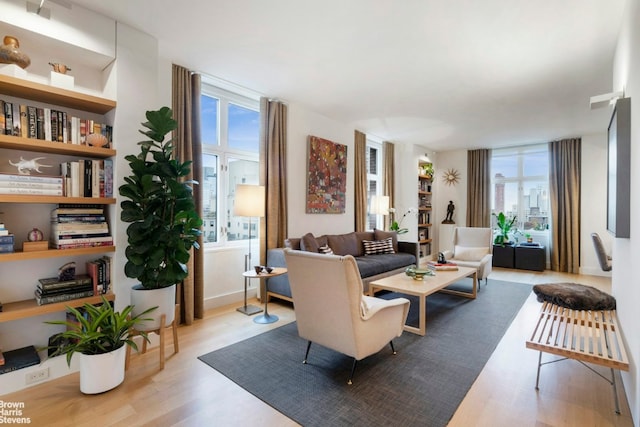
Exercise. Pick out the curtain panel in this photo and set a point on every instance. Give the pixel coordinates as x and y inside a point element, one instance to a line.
<point>273,174</point>
<point>479,188</point>
<point>360,190</point>
<point>186,111</point>
<point>389,172</point>
<point>564,192</point>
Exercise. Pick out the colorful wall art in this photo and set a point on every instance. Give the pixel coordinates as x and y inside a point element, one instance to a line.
<point>327,176</point>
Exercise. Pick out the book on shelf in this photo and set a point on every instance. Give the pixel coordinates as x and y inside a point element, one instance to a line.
<point>80,210</point>
<point>77,245</point>
<point>19,358</point>
<point>100,271</point>
<point>80,227</point>
<point>43,300</point>
<point>97,239</point>
<point>6,248</point>
<point>51,179</point>
<point>52,283</point>
<point>7,238</point>
<point>437,266</point>
<point>4,232</point>
<point>31,184</point>
<point>62,291</point>
<point>33,191</point>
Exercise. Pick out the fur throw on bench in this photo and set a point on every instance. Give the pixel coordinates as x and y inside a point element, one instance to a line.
<point>575,296</point>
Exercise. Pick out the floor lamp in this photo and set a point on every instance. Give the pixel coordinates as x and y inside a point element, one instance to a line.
<point>379,205</point>
<point>249,202</point>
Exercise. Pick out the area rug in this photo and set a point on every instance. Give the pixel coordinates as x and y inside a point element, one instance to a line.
<point>422,385</point>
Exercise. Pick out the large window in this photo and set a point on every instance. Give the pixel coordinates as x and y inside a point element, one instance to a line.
<point>374,182</point>
<point>521,186</point>
<point>230,141</point>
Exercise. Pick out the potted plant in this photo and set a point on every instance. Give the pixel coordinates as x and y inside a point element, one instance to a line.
<point>504,226</point>
<point>99,335</point>
<point>427,170</point>
<point>164,224</point>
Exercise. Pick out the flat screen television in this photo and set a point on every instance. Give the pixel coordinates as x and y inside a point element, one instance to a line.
<point>619,169</point>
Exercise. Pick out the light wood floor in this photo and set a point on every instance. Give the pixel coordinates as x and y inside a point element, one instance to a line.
<point>189,393</point>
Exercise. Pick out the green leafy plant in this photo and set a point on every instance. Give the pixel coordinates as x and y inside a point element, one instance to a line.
<point>100,331</point>
<point>160,207</point>
<point>396,225</point>
<point>427,169</point>
<point>504,226</point>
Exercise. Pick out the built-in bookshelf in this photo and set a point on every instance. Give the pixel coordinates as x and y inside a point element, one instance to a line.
<point>425,182</point>
<point>56,99</point>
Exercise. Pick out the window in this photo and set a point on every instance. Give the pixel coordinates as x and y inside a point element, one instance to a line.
<point>521,186</point>
<point>374,182</point>
<point>230,147</point>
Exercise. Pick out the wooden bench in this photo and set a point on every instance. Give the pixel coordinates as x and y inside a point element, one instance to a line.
<point>582,335</point>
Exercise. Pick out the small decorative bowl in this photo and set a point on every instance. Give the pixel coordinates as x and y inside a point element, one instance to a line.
<point>268,269</point>
<point>419,274</point>
<point>258,269</point>
<point>97,140</point>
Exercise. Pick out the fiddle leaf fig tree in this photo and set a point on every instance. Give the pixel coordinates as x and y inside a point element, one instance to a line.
<point>160,208</point>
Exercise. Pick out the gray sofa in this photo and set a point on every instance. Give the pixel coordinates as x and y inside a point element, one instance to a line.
<point>371,267</point>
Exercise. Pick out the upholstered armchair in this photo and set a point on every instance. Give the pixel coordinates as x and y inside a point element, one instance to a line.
<point>472,247</point>
<point>332,311</point>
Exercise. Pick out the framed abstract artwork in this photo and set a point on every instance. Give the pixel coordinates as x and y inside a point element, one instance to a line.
<point>326,176</point>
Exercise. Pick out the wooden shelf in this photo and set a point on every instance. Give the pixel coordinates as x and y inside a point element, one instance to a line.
<point>423,208</point>
<point>42,146</point>
<point>424,225</point>
<point>54,253</point>
<point>424,241</point>
<point>30,198</point>
<point>29,308</point>
<point>20,88</point>
<point>425,177</point>
<point>424,193</point>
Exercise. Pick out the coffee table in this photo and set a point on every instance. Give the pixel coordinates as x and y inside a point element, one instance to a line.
<point>423,288</point>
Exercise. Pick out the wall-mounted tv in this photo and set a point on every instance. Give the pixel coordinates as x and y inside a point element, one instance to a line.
<point>619,169</point>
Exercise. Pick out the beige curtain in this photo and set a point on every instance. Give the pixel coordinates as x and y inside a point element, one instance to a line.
<point>564,191</point>
<point>389,172</point>
<point>273,174</point>
<point>186,111</point>
<point>479,188</point>
<point>360,192</point>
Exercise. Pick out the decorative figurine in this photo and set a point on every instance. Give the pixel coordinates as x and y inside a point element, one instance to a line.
<point>26,166</point>
<point>67,271</point>
<point>59,68</point>
<point>449,218</point>
<point>10,53</point>
<point>35,235</point>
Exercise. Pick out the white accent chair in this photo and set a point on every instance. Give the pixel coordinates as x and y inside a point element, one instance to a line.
<point>332,311</point>
<point>472,247</point>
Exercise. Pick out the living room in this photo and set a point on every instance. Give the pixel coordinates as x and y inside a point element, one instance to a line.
<point>143,69</point>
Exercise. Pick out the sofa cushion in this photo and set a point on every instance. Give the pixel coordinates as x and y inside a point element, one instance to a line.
<point>308,243</point>
<point>465,253</point>
<point>325,249</point>
<point>363,235</point>
<point>373,247</point>
<point>377,264</point>
<point>381,234</point>
<point>343,244</point>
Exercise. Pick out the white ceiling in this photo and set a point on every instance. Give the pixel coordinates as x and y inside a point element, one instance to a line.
<point>442,74</point>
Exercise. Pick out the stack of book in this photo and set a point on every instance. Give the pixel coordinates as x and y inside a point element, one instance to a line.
<point>52,290</point>
<point>447,266</point>
<point>100,272</point>
<point>46,124</point>
<point>6,240</point>
<point>31,184</point>
<point>88,177</point>
<point>79,226</point>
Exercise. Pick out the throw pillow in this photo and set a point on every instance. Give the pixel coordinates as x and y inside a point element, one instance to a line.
<point>465,253</point>
<point>343,244</point>
<point>373,247</point>
<point>308,243</point>
<point>381,234</point>
<point>325,250</point>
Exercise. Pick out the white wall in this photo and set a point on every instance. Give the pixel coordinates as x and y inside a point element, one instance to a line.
<point>444,193</point>
<point>626,252</point>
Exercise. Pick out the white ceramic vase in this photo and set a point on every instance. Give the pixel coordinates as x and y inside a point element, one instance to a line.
<point>102,372</point>
<point>163,298</point>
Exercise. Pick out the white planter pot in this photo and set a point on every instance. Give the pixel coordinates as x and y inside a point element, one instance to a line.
<point>163,298</point>
<point>102,372</point>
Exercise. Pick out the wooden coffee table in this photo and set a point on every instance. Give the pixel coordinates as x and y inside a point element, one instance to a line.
<point>423,288</point>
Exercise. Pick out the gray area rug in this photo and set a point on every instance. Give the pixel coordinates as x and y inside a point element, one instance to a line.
<point>422,385</point>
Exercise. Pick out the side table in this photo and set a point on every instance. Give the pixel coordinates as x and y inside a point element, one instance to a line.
<point>277,271</point>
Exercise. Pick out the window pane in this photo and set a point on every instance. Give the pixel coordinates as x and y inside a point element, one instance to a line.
<point>241,172</point>
<point>244,128</point>
<point>210,198</point>
<point>209,119</point>
<point>372,161</point>
<point>536,164</point>
<point>535,206</point>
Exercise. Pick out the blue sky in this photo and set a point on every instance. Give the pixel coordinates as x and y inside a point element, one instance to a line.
<point>243,127</point>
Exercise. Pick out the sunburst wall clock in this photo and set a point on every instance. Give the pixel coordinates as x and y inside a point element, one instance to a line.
<point>451,177</point>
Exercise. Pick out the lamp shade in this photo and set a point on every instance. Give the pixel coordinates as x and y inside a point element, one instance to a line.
<point>249,200</point>
<point>379,205</point>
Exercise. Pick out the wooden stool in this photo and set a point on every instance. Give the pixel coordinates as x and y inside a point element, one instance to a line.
<point>160,332</point>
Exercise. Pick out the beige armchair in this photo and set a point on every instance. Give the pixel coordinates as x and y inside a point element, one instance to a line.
<point>472,247</point>
<point>332,311</point>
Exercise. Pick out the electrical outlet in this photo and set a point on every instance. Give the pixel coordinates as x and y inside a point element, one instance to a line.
<point>37,376</point>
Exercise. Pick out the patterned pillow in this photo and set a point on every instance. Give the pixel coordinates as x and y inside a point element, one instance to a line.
<point>384,246</point>
<point>325,250</point>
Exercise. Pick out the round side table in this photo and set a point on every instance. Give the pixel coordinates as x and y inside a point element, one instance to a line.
<point>277,271</point>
